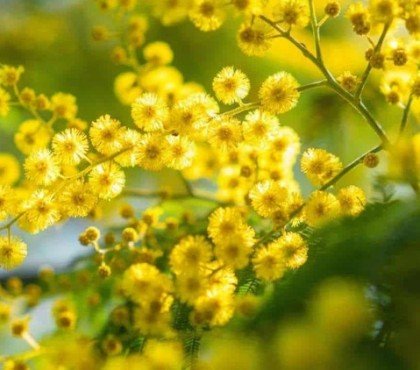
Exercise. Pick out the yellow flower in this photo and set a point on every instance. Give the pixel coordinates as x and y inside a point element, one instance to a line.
<point>321,207</point>
<point>207,15</point>
<point>143,282</point>
<point>9,76</point>
<point>191,116</point>
<point>105,135</point>
<point>253,37</point>
<point>158,53</point>
<point>290,13</point>
<point>181,152</point>
<point>359,17</point>
<point>149,112</point>
<point>41,167</point>
<point>225,133</point>
<point>9,169</point>
<point>170,12</point>
<point>284,146</point>
<point>383,10</point>
<point>64,105</point>
<point>279,93</point>
<point>32,135</point>
<point>259,127</point>
<point>248,7</point>
<point>150,216</point>
<point>352,200</point>
<point>6,201</point>
<point>223,222</point>
<point>191,253</point>
<point>215,308</point>
<point>107,180</point>
<point>234,183</point>
<point>129,139</point>
<point>235,250</point>
<point>70,146</point>
<point>12,252</point>
<point>268,263</point>
<point>126,87</point>
<point>78,199</point>
<point>204,164</point>
<point>152,153</point>
<point>191,284</point>
<point>43,212</point>
<point>269,197</point>
<point>4,102</point>
<point>293,248</point>
<point>320,166</point>
<point>222,279</point>
<point>230,85</point>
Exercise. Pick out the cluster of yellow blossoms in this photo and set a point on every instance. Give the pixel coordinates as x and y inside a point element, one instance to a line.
<point>181,274</point>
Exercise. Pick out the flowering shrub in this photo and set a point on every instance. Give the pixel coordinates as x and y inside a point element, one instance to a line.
<point>211,262</point>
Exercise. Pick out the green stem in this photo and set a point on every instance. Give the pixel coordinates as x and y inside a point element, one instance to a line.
<point>368,69</point>
<point>404,119</point>
<point>312,85</point>
<point>315,31</point>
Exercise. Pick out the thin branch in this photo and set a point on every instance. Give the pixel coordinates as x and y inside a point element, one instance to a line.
<point>312,85</point>
<point>404,118</point>
<point>315,31</point>
<point>368,69</point>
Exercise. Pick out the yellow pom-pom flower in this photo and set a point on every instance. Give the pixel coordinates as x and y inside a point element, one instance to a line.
<point>181,152</point>
<point>254,37</point>
<point>41,167</point>
<point>105,135</point>
<point>78,199</point>
<point>225,133</point>
<point>152,152</point>
<point>9,169</point>
<point>12,252</point>
<point>70,146</point>
<point>32,135</point>
<point>279,93</point>
<point>230,85</point>
<point>320,166</point>
<point>291,13</point>
<point>268,263</point>
<point>107,180</point>
<point>269,197</point>
<point>158,53</point>
<point>149,112</point>
<point>259,127</point>
<point>64,105</point>
<point>352,200</point>
<point>207,15</point>
<point>293,248</point>
<point>321,207</point>
<point>192,252</point>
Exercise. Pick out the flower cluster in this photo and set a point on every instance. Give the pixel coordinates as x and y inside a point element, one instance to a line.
<point>196,259</point>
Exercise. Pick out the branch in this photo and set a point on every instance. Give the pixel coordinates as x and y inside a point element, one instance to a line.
<point>366,73</point>
<point>404,118</point>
